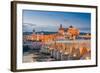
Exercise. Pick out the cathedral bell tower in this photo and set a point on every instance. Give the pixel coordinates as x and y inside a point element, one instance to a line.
<point>33,31</point>
<point>60,26</point>
<point>61,29</point>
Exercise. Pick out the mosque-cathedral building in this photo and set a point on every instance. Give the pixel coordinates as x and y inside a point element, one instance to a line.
<point>63,33</point>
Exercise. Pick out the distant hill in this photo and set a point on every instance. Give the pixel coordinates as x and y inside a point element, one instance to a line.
<point>27,33</point>
<point>83,33</point>
<point>47,33</point>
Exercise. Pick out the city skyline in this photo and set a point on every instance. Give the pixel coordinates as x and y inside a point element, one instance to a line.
<point>51,20</point>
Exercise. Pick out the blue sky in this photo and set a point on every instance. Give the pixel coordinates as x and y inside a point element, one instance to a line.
<point>51,20</point>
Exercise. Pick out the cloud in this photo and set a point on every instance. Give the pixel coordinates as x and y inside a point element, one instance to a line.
<point>29,24</point>
<point>28,27</point>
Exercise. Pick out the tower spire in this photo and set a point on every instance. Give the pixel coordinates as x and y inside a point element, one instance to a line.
<point>60,25</point>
